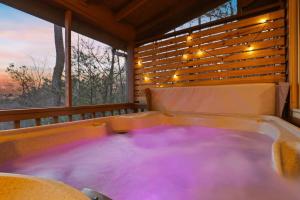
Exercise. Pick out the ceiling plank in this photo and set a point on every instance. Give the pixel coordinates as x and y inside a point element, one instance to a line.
<point>129,8</point>
<point>175,16</point>
<point>98,15</point>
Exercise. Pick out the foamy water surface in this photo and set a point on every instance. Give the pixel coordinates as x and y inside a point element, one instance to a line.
<point>166,162</point>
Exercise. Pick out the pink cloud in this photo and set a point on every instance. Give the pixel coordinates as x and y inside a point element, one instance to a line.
<point>20,45</point>
<point>6,54</point>
<point>44,35</point>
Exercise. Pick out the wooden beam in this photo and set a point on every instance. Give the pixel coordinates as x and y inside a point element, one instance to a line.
<point>68,56</point>
<point>130,72</point>
<point>191,29</point>
<point>127,10</point>
<point>39,9</point>
<point>243,3</point>
<point>258,6</point>
<point>98,15</point>
<point>293,54</point>
<point>175,16</point>
<point>90,1</point>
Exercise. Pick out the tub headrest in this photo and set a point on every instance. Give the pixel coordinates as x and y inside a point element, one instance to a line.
<point>252,99</point>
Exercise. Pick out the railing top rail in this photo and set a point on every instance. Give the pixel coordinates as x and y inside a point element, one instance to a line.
<point>22,114</point>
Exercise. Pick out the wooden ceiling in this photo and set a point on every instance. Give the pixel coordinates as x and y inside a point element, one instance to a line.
<point>115,21</point>
<point>131,20</point>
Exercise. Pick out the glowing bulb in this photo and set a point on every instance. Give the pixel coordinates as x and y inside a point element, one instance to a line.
<point>189,38</point>
<point>263,20</point>
<point>146,78</point>
<point>250,48</point>
<point>139,63</point>
<point>185,56</point>
<point>175,76</point>
<point>199,52</point>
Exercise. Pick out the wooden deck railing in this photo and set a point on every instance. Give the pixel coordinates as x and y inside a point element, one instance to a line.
<point>93,111</point>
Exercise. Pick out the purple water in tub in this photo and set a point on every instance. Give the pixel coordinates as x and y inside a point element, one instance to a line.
<point>166,162</point>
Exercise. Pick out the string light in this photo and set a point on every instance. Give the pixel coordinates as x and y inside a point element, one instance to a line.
<point>199,52</point>
<point>175,77</point>
<point>146,78</point>
<point>140,63</point>
<point>189,38</point>
<point>250,48</point>
<point>263,20</point>
<point>185,56</point>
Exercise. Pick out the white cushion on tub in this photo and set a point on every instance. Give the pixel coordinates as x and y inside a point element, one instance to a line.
<point>257,99</point>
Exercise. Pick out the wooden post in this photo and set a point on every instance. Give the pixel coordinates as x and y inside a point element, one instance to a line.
<point>68,78</point>
<point>148,99</point>
<point>130,72</point>
<point>292,57</point>
<point>298,48</point>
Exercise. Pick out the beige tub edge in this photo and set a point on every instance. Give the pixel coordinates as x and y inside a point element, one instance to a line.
<point>16,187</point>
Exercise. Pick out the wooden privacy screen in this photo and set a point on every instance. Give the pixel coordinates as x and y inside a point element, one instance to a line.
<point>241,51</point>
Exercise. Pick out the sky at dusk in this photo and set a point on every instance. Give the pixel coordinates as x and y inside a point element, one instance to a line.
<point>24,39</point>
<point>27,40</point>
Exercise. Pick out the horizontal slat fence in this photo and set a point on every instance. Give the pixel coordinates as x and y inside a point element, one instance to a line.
<point>242,51</point>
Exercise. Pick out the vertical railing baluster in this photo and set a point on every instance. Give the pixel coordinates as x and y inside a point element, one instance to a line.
<point>17,124</point>
<point>38,121</point>
<point>55,119</point>
<point>70,118</point>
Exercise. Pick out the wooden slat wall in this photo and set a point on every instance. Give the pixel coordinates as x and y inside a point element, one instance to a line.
<point>242,51</point>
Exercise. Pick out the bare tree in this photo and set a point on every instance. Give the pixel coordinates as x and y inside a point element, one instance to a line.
<point>111,73</point>
<point>100,72</point>
<point>33,84</point>
<point>99,76</point>
<point>59,65</point>
<point>225,10</point>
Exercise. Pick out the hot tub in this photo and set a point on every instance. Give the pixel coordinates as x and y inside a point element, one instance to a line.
<point>163,155</point>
